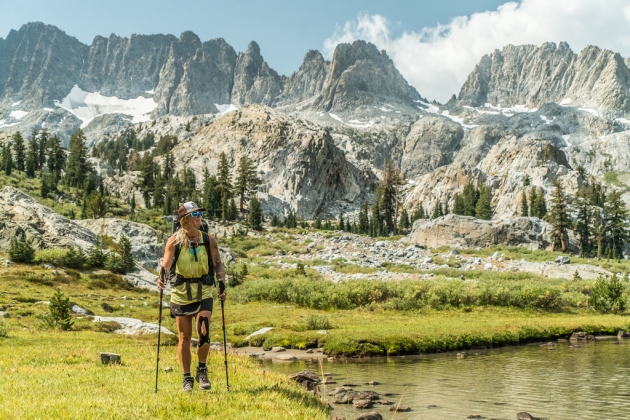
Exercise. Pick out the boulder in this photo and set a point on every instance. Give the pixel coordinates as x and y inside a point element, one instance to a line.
<point>561,259</point>
<point>307,379</point>
<point>468,232</point>
<point>110,358</point>
<point>581,335</point>
<point>399,408</point>
<point>362,404</point>
<point>372,415</point>
<point>523,415</point>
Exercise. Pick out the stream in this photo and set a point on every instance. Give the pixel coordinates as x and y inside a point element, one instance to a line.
<point>589,380</point>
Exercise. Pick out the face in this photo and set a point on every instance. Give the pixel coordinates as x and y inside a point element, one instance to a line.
<point>197,220</point>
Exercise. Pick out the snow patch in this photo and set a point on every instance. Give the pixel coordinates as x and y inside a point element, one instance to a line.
<point>592,111</point>
<point>335,117</point>
<point>48,109</point>
<point>623,120</point>
<point>565,101</point>
<point>360,124</point>
<point>566,138</point>
<point>225,108</point>
<point>510,110</point>
<point>2,124</point>
<point>458,120</point>
<point>547,120</point>
<point>18,115</point>
<point>431,109</point>
<point>385,109</point>
<point>88,105</point>
<point>150,92</point>
<point>16,104</point>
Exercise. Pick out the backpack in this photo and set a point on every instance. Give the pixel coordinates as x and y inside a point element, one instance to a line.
<point>208,279</point>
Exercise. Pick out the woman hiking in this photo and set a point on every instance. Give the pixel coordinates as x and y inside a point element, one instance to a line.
<point>197,260</point>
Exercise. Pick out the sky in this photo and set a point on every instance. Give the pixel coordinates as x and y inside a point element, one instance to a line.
<point>435,45</point>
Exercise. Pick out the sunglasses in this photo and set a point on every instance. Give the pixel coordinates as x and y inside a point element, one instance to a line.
<point>196,213</point>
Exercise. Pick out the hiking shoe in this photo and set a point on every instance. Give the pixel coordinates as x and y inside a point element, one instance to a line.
<point>202,378</point>
<point>188,384</point>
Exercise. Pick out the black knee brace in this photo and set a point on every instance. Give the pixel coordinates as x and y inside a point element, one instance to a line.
<point>203,338</point>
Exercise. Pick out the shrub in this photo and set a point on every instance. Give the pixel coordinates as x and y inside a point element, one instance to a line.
<point>121,261</point>
<point>314,322</point>
<point>74,258</point>
<point>21,251</point>
<point>607,295</point>
<point>4,330</point>
<point>96,258</point>
<point>59,312</point>
<point>53,256</point>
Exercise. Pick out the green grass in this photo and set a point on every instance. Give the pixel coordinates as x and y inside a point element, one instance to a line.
<point>63,378</point>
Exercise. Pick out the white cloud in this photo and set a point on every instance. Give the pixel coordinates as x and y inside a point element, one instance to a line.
<point>437,60</point>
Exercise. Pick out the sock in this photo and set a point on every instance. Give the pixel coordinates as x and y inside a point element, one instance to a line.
<point>187,375</point>
<point>202,364</point>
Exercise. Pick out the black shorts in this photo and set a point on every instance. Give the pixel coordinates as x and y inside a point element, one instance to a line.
<point>191,308</point>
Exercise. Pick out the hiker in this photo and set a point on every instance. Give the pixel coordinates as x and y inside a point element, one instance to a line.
<point>196,257</point>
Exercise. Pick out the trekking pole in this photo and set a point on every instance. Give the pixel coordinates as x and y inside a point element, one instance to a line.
<point>157,361</point>
<point>227,379</point>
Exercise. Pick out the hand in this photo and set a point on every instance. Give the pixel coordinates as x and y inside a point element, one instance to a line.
<point>222,293</point>
<point>161,284</point>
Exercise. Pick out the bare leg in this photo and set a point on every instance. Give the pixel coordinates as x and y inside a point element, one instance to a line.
<point>202,351</point>
<point>184,327</point>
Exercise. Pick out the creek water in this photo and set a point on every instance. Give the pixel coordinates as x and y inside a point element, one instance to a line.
<point>587,382</point>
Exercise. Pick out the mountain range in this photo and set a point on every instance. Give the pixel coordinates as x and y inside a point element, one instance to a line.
<point>321,135</point>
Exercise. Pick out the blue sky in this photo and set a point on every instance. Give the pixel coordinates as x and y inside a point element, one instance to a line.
<point>284,29</point>
<point>434,44</point>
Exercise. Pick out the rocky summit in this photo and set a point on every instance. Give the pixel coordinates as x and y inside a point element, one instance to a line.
<point>526,117</point>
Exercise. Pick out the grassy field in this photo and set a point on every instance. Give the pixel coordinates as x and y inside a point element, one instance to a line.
<point>61,374</point>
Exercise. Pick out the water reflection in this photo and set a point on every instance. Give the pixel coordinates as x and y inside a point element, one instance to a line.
<point>560,382</point>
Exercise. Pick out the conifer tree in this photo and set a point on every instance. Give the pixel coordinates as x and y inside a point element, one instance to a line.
<point>211,196</point>
<point>7,159</point>
<point>404,223</point>
<point>583,218</point>
<point>132,203</point>
<point>20,150</point>
<point>364,222</point>
<point>597,194</point>
<point>436,210</point>
<point>558,217</point>
<point>616,223</point>
<point>470,196</point>
<point>318,223</point>
<point>30,166</point>
<point>483,208</point>
<point>255,213</point>
<point>524,206</point>
<point>169,167</point>
<point>158,190</point>
<point>246,180</point>
<point>43,149</point>
<point>533,197</point>
<point>458,206</point>
<point>33,152</point>
<point>147,169</point>
<point>56,156</point>
<point>340,222</point>
<point>232,212</point>
<point>599,233</point>
<point>77,165</point>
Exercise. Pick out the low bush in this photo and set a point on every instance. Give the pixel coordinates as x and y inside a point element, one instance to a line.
<point>314,322</point>
<point>608,294</point>
<point>21,251</point>
<point>52,256</point>
<point>415,294</point>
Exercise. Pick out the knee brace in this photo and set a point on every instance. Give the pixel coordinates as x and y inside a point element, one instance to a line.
<point>203,338</point>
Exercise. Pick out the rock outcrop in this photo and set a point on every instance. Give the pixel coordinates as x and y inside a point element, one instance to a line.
<point>360,76</point>
<point>468,232</point>
<point>300,167</point>
<point>533,76</point>
<point>22,217</point>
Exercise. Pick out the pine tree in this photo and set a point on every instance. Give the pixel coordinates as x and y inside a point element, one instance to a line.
<point>616,223</point>
<point>147,169</point>
<point>483,208</point>
<point>533,211</point>
<point>387,196</point>
<point>132,204</point>
<point>541,204</point>
<point>597,194</point>
<point>19,149</point>
<point>246,180</point>
<point>211,196</point>
<point>21,251</point>
<point>59,312</point>
<point>364,221</point>
<point>404,223</point>
<point>30,166</point>
<point>232,211</point>
<point>43,149</point>
<point>224,177</point>
<point>524,206</point>
<point>158,190</point>
<point>255,213</point>
<point>436,210</point>
<point>33,151</point>
<point>56,156</point>
<point>340,222</point>
<point>558,217</point>
<point>77,165</point>
<point>470,196</point>
<point>583,221</point>
<point>96,205</point>
<point>7,160</point>
<point>318,223</point>
<point>169,167</point>
<point>599,233</point>
<point>459,207</point>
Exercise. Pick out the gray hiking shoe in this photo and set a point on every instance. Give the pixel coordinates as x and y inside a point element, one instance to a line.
<point>202,378</point>
<point>187,385</point>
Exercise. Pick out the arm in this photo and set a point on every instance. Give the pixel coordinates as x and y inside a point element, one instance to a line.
<point>167,261</point>
<point>218,266</point>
